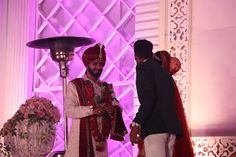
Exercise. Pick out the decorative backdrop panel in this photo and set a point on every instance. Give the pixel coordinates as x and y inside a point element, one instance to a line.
<point>179,13</point>
<point>178,41</point>
<point>110,22</point>
<point>219,146</point>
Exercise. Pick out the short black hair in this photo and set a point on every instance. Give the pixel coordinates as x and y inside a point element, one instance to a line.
<point>143,48</point>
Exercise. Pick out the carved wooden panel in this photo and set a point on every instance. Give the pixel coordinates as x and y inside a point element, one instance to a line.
<point>220,146</point>
<point>178,42</point>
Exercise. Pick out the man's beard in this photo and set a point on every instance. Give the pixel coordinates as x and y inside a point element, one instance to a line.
<point>94,74</point>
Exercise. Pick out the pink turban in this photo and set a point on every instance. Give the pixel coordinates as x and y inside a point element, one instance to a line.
<point>93,53</point>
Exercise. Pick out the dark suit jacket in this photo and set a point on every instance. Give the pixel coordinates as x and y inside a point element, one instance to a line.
<point>155,89</point>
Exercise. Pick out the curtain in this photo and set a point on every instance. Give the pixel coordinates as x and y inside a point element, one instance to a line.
<point>14,33</point>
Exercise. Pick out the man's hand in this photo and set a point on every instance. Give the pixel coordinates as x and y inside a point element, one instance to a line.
<point>99,111</point>
<point>135,134</point>
<point>110,110</point>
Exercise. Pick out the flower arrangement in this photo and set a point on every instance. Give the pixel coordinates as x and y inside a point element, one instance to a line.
<point>35,109</point>
<point>31,131</point>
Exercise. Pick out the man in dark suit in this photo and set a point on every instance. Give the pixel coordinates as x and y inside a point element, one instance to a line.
<point>156,120</point>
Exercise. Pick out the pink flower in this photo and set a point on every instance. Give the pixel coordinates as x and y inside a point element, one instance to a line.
<point>35,109</point>
<point>41,114</point>
<point>26,115</point>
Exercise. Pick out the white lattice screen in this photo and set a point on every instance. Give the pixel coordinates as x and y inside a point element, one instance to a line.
<point>110,22</point>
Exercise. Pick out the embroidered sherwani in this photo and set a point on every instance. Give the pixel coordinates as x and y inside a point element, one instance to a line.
<point>77,112</point>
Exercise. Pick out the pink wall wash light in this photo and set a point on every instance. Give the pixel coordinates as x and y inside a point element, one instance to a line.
<point>110,22</point>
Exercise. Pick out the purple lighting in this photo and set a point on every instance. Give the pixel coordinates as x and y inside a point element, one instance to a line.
<point>108,22</point>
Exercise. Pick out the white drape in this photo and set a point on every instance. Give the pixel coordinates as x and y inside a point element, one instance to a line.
<point>14,33</point>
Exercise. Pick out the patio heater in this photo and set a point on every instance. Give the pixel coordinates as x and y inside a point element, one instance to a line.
<point>62,51</point>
